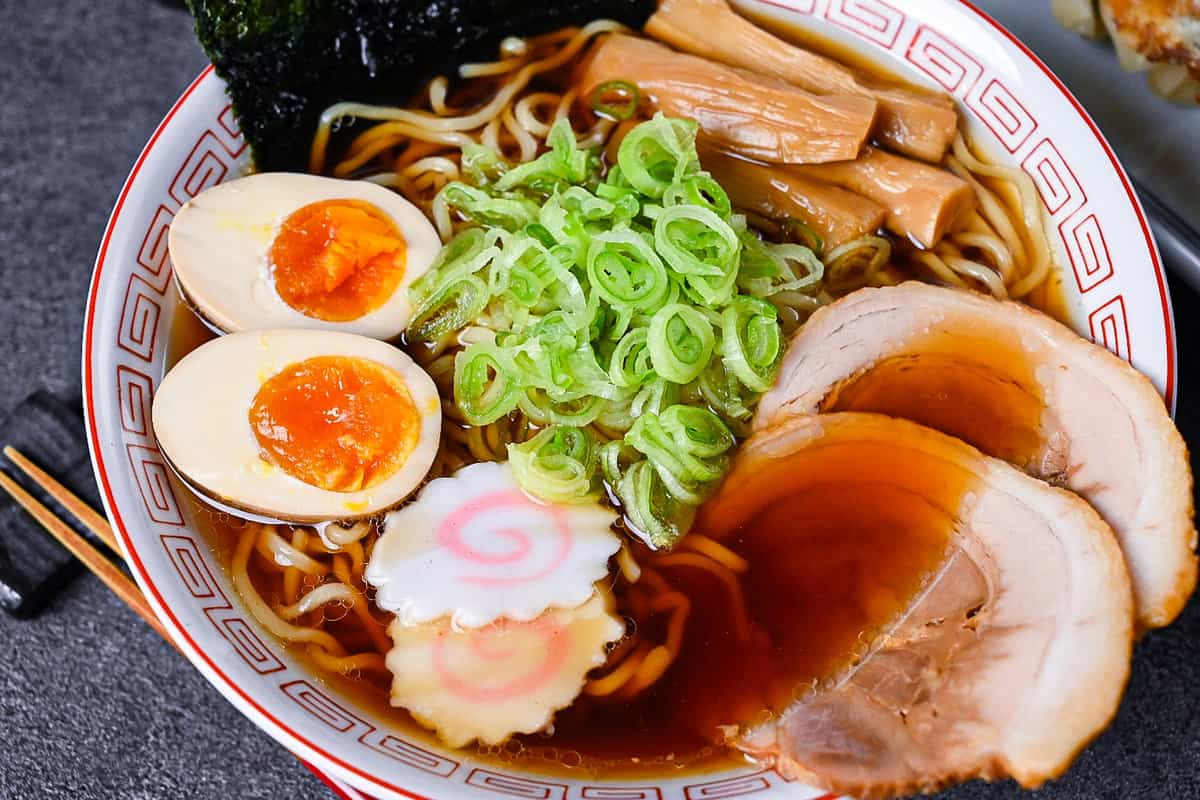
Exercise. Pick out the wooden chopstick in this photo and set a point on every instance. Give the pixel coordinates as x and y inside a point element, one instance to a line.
<point>87,515</point>
<point>93,559</point>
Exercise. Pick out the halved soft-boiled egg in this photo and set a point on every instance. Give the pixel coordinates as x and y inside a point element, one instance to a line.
<point>299,425</point>
<point>285,250</point>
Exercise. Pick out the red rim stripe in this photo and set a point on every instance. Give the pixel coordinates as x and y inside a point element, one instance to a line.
<point>338,790</point>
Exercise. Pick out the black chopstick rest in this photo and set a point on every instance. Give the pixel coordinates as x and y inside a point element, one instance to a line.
<point>33,566</point>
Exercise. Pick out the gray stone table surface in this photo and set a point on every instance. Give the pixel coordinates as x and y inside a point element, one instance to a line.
<point>92,704</point>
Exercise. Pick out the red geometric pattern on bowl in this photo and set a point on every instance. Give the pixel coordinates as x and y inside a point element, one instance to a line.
<point>1109,326</point>
<point>154,484</point>
<point>132,300</point>
<point>950,66</point>
<point>332,713</point>
<point>140,314</point>
<point>1055,180</point>
<point>1091,261</point>
<point>136,389</point>
<point>200,582</point>
<point>516,785</point>
<point>153,256</point>
<point>229,133</point>
<point>753,783</point>
<point>203,168</point>
<point>1007,119</point>
<point>873,20</point>
<point>620,793</point>
<point>731,787</point>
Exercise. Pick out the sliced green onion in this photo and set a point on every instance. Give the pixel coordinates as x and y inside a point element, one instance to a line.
<point>687,463</point>
<point>684,451</point>
<point>553,360</point>
<point>726,394</point>
<point>464,248</point>
<point>768,269</point>
<point>699,431</point>
<point>615,419</point>
<point>801,233</point>
<point>854,264</point>
<point>563,164</point>
<point>699,190</point>
<point>451,294</point>
<point>626,104</point>
<point>539,231</point>
<point>558,465</point>
<point>580,411</point>
<point>543,357</point>
<point>453,305</point>
<point>520,272</point>
<point>658,517</point>
<point>695,241</point>
<point>509,212</point>
<point>630,364</point>
<point>680,341</point>
<point>687,453</point>
<point>485,385</point>
<point>619,194</point>
<point>624,269</point>
<point>701,247</point>
<point>794,257</point>
<point>633,303</point>
<point>566,226</point>
<point>615,179</point>
<point>654,396</point>
<point>658,153</point>
<point>609,324</point>
<point>528,274</point>
<point>481,165</point>
<point>592,207</point>
<point>751,343</point>
<point>614,457</point>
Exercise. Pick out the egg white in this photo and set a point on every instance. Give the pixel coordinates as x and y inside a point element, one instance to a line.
<point>220,243</point>
<point>201,418</point>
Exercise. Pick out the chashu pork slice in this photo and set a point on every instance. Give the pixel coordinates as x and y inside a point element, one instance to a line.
<point>1019,386</point>
<point>1006,661</point>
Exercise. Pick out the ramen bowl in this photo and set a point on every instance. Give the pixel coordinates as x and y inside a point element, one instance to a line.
<point>1113,287</point>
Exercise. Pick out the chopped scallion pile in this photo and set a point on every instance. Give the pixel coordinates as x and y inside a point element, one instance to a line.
<point>630,305</point>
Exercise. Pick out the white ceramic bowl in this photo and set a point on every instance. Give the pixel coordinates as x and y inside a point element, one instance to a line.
<point>1016,107</point>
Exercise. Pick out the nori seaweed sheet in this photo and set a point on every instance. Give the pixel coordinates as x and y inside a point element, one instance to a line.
<point>285,61</point>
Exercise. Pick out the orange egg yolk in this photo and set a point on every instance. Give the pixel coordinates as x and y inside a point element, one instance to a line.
<point>336,422</point>
<point>337,260</point>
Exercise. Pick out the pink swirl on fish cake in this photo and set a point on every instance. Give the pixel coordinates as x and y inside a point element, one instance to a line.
<point>452,536</point>
<point>485,646</point>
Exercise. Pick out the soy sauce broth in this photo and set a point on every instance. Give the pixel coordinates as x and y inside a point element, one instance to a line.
<point>812,601</point>
<point>652,736</point>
